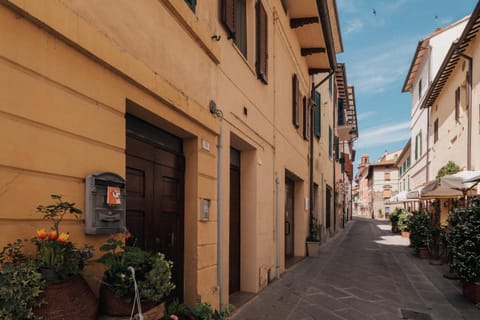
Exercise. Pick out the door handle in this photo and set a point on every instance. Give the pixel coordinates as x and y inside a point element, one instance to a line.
<point>287,228</point>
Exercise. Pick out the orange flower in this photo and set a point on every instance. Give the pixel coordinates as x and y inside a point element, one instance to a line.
<point>63,237</point>
<point>53,235</point>
<point>42,234</point>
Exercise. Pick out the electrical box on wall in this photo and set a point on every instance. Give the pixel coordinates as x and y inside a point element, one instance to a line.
<point>104,203</point>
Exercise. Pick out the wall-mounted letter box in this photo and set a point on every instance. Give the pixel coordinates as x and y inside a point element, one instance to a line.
<point>104,203</point>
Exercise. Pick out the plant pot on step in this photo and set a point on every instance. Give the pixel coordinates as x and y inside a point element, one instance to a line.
<point>313,248</point>
<point>113,305</point>
<point>405,234</point>
<point>70,299</point>
<point>471,291</point>
<point>422,253</point>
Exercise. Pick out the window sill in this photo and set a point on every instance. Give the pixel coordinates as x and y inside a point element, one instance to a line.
<point>240,53</point>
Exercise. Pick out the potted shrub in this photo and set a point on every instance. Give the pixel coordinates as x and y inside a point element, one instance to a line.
<point>403,220</point>
<point>313,239</point>
<point>394,220</point>
<point>199,311</point>
<point>132,275</point>
<point>420,227</point>
<point>464,243</point>
<point>59,263</point>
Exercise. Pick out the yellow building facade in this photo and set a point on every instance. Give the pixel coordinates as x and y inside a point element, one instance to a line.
<point>202,109</point>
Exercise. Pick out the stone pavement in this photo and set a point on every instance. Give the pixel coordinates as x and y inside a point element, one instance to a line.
<point>364,272</point>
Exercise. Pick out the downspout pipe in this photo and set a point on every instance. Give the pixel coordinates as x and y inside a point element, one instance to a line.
<point>469,101</point>
<point>218,113</point>
<point>277,227</point>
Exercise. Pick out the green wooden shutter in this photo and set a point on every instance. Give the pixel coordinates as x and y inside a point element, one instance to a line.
<point>318,116</point>
<point>262,43</point>
<point>306,119</point>
<point>337,148</point>
<point>330,142</point>
<point>295,101</point>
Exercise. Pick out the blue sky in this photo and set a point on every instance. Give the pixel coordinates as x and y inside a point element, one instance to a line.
<point>378,50</point>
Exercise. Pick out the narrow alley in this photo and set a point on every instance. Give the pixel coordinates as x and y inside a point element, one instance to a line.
<point>365,272</point>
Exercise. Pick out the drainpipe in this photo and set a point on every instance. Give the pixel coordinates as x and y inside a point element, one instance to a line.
<point>277,227</point>
<point>218,113</point>
<point>469,101</point>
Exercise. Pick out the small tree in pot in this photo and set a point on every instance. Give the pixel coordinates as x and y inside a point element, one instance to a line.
<point>394,220</point>
<point>403,220</point>
<point>420,226</point>
<point>464,243</point>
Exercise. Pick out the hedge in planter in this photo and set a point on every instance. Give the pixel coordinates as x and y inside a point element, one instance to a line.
<point>403,220</point>
<point>394,219</point>
<point>464,241</point>
<point>420,227</point>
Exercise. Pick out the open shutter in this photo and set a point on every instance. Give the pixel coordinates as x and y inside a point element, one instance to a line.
<point>337,148</point>
<point>228,16</point>
<point>262,43</point>
<point>295,102</point>
<point>317,122</point>
<point>306,119</point>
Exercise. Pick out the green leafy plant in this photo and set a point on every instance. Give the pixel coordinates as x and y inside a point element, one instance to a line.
<point>20,284</point>
<point>420,227</point>
<point>403,219</point>
<point>463,240</point>
<point>314,234</point>
<point>152,271</point>
<point>393,217</point>
<point>450,168</point>
<point>199,311</point>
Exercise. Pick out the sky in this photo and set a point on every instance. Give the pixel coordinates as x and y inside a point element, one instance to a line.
<point>379,40</point>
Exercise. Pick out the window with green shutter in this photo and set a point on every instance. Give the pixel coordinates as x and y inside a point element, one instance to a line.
<point>330,142</point>
<point>261,64</point>
<point>306,119</point>
<point>336,144</point>
<point>295,101</point>
<point>318,116</point>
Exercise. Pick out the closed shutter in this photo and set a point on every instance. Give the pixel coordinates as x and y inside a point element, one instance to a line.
<point>306,119</point>
<point>295,101</point>
<point>318,115</point>
<point>228,16</point>
<point>330,142</point>
<point>336,145</point>
<point>262,43</point>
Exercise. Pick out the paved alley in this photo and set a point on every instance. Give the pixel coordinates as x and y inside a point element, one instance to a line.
<point>365,272</point>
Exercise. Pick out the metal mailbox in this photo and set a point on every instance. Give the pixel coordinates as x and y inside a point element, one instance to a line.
<point>104,203</point>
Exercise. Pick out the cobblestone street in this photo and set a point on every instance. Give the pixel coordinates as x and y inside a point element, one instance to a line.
<point>365,272</point>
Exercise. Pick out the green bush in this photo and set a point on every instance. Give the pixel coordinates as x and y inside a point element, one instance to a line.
<point>420,227</point>
<point>463,240</point>
<point>394,216</point>
<point>403,220</point>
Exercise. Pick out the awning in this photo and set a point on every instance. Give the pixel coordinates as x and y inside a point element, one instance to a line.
<point>461,180</point>
<point>433,190</point>
<point>399,197</point>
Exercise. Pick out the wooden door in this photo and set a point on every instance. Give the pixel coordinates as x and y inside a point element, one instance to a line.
<point>289,217</point>
<point>234,247</point>
<point>155,197</point>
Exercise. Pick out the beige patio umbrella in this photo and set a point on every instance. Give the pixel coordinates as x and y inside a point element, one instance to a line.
<point>461,180</point>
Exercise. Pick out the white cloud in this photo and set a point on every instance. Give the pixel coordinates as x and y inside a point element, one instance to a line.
<point>353,26</point>
<point>383,135</point>
<point>365,115</point>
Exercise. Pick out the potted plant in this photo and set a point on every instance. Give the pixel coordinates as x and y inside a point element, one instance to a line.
<point>403,220</point>
<point>420,227</point>
<point>313,240</point>
<point>199,311</point>
<point>394,220</point>
<point>132,275</point>
<point>464,243</point>
<point>61,293</point>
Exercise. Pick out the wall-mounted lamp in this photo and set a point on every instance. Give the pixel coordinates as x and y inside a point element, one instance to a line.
<point>216,37</point>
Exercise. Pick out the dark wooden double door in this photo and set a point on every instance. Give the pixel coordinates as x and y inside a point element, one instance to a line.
<point>155,201</point>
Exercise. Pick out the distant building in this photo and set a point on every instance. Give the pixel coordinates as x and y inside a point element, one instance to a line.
<point>363,202</point>
<point>382,183</point>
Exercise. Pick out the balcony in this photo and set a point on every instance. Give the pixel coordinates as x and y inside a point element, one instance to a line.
<point>347,127</point>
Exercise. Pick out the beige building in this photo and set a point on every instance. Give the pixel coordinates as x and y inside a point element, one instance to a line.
<point>453,101</point>
<point>211,118</point>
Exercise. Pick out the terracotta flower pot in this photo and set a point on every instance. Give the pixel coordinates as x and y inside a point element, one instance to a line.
<point>113,305</point>
<point>69,299</point>
<point>471,291</point>
<point>405,234</point>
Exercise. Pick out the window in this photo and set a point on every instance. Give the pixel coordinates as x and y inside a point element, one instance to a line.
<point>306,119</point>
<point>336,145</point>
<point>419,89</point>
<point>330,142</point>
<point>408,162</point>
<point>386,176</point>
<point>191,4</point>
<point>341,114</point>
<point>435,130</point>
<point>262,43</point>
<point>400,171</point>
<point>295,101</point>
<point>318,116</point>
<point>284,5</point>
<point>418,145</point>
<point>457,104</point>
<point>330,85</point>
<point>234,19</point>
